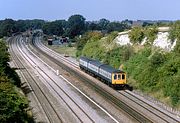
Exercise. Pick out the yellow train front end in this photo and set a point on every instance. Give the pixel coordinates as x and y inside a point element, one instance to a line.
<point>119,80</point>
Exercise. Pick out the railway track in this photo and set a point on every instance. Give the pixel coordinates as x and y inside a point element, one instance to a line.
<point>72,105</point>
<point>75,108</point>
<point>115,101</point>
<point>167,118</point>
<point>49,113</point>
<point>61,93</point>
<point>144,113</point>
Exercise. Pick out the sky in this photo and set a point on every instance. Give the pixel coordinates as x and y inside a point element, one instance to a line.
<point>92,10</point>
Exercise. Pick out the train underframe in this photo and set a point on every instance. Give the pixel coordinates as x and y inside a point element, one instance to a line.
<point>121,87</point>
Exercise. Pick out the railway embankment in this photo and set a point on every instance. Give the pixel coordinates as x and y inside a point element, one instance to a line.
<point>150,56</point>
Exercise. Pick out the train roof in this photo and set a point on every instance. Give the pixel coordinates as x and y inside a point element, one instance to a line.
<point>101,65</point>
<point>85,58</point>
<point>110,69</point>
<point>96,63</point>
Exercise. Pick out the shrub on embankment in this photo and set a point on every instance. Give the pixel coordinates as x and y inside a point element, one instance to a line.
<point>137,34</point>
<point>13,105</point>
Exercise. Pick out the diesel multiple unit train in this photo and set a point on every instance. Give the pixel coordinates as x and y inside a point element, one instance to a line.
<point>113,77</point>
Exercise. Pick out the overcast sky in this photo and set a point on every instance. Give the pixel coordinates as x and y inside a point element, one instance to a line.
<point>114,10</point>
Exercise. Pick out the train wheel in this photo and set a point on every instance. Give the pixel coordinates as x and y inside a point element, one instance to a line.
<point>113,86</point>
<point>130,88</point>
<point>109,84</point>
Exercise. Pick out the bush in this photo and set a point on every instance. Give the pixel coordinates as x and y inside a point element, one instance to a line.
<point>133,65</point>
<point>93,49</point>
<point>143,67</point>
<point>111,36</point>
<point>118,56</point>
<point>136,35</point>
<point>151,34</point>
<point>4,55</point>
<point>4,67</point>
<point>81,41</point>
<point>174,32</point>
<point>13,105</point>
<point>155,71</point>
<point>157,59</point>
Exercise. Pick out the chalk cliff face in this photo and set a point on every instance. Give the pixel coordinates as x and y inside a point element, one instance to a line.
<point>123,39</point>
<point>161,41</point>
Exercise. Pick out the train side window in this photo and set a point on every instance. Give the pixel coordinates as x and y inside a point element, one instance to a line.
<point>115,77</point>
<point>123,76</point>
<point>119,76</point>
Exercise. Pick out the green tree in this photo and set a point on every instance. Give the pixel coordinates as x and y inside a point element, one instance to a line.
<point>103,23</point>
<point>6,71</point>
<point>174,34</point>
<point>93,49</point>
<point>170,73</point>
<point>76,25</point>
<point>21,26</point>
<point>7,27</point>
<point>35,24</point>
<point>136,35</point>
<point>13,105</point>
<point>92,26</point>
<point>175,31</point>
<point>157,59</point>
<point>116,26</point>
<point>151,34</point>
<point>53,28</point>
<point>81,41</point>
<point>4,55</point>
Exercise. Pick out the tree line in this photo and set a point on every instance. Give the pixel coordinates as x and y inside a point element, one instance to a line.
<point>75,25</point>
<point>10,26</point>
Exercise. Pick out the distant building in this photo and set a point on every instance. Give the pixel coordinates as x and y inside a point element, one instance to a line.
<point>64,40</point>
<point>58,41</point>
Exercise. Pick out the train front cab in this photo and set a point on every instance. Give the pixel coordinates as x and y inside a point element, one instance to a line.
<point>119,80</point>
